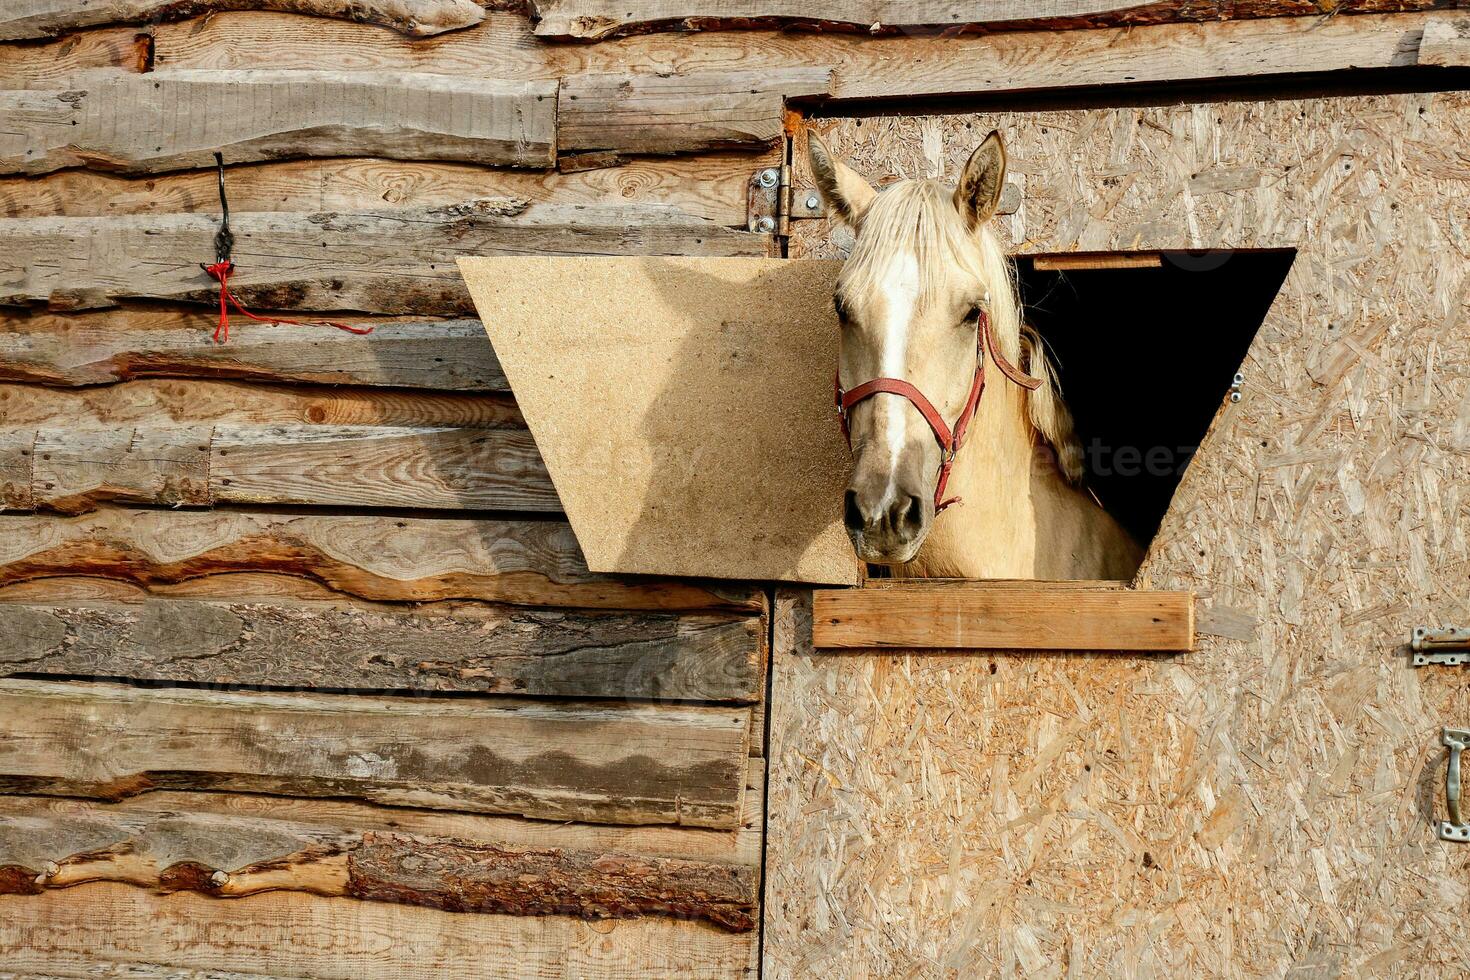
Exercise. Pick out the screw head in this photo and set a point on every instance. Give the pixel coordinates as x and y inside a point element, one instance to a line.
<point>813,202</point>
<point>1238,380</point>
<point>766,224</point>
<point>769,177</point>
<point>1235,396</point>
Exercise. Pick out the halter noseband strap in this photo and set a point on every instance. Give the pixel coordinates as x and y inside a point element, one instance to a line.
<point>949,439</point>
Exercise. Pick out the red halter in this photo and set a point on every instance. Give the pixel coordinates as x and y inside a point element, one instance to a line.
<point>949,439</point>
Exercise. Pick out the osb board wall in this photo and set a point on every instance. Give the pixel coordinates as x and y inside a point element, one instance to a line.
<point>1264,806</point>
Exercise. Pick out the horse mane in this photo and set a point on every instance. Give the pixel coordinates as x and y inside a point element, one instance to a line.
<point>920,216</point>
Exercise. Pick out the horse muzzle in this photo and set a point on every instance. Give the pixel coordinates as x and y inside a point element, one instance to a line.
<point>888,513</point>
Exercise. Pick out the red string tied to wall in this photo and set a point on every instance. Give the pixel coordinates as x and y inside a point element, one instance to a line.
<point>223,268</point>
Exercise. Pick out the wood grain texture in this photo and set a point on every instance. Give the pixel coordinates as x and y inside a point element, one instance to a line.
<point>441,647</point>
<point>952,615</point>
<point>705,187</point>
<point>118,345</point>
<point>1446,42</point>
<point>231,857</point>
<point>535,563</point>
<point>862,67</point>
<point>75,470</point>
<point>49,18</point>
<point>380,466</point>
<point>389,261</point>
<point>177,120</point>
<point>1249,809</point>
<point>116,930</point>
<point>17,469</point>
<point>641,113</point>
<point>165,402</point>
<point>64,63</point>
<point>595,20</point>
<point>601,762</point>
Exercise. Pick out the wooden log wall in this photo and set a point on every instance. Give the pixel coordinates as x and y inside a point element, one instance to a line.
<point>293,620</point>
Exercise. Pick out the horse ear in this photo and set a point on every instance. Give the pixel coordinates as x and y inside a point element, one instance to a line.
<point>980,185</point>
<point>846,194</point>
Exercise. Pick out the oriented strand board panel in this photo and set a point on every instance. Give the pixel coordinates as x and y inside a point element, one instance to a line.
<point>683,408</point>
<point>1265,806</point>
<point>959,615</point>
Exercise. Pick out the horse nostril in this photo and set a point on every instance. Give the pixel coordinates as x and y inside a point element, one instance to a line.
<point>852,515</point>
<point>911,521</point>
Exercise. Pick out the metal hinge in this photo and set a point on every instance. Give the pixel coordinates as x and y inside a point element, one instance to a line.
<point>768,201</point>
<point>1448,645</point>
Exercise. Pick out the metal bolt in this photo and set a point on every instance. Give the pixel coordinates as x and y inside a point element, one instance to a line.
<point>1235,396</point>
<point>1238,380</point>
<point>813,202</point>
<point>769,177</point>
<point>766,224</point>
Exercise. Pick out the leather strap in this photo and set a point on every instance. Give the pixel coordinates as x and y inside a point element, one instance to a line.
<point>950,440</point>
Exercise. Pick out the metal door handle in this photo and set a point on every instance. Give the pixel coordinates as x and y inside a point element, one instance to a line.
<point>1454,828</point>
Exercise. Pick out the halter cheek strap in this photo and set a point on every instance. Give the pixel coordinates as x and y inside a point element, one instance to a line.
<point>950,440</point>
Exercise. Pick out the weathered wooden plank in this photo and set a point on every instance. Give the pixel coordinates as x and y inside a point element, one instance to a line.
<point>707,186</point>
<point>119,931</point>
<point>62,64</point>
<point>955,615</point>
<point>231,857</point>
<point>17,469</point>
<point>160,402</point>
<point>49,18</point>
<point>454,647</point>
<point>175,120</point>
<point>1446,42</point>
<point>76,469</point>
<point>380,466</point>
<point>595,20</point>
<point>642,113</point>
<point>862,67</point>
<point>602,762</point>
<point>390,261</point>
<point>117,345</point>
<point>534,563</point>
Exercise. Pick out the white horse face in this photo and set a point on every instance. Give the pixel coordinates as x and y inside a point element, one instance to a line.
<point>908,301</point>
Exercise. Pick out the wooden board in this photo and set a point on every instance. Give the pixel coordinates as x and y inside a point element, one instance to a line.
<point>380,466</point>
<point>48,18</point>
<point>165,402</point>
<point>595,20</point>
<point>1446,42</point>
<point>601,762</point>
<point>118,345</point>
<point>118,930</point>
<point>650,386</point>
<point>641,113</point>
<point>390,261</point>
<point>176,120</point>
<point>61,65</point>
<point>1245,810</point>
<point>229,856</point>
<point>396,559</point>
<point>863,67</point>
<point>439,647</point>
<point>953,615</point>
<point>710,186</point>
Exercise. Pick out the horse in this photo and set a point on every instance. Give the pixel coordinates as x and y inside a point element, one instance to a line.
<point>933,356</point>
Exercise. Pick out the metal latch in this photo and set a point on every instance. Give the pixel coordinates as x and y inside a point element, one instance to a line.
<point>1454,828</point>
<point>1449,645</point>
